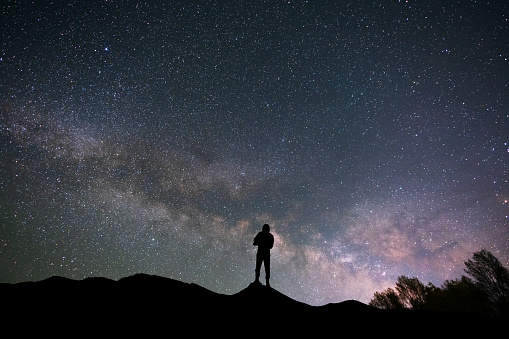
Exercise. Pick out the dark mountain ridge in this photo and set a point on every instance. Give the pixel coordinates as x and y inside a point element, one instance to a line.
<point>142,303</point>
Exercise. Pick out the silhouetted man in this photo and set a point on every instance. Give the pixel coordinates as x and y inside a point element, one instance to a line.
<point>264,240</point>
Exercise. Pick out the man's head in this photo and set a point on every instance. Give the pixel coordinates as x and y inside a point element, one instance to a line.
<point>266,228</point>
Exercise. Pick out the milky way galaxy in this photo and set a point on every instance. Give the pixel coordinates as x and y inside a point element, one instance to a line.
<point>158,137</point>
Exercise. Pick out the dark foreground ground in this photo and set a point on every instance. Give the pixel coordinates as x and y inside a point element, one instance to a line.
<point>144,305</point>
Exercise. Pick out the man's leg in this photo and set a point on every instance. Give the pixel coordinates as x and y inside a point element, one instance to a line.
<point>258,266</point>
<point>266,263</point>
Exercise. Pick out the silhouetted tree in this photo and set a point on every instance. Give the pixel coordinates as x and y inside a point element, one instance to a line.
<point>485,291</point>
<point>388,300</point>
<point>492,278</point>
<point>411,291</point>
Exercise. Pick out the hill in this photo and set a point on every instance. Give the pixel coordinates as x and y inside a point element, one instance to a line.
<point>143,304</point>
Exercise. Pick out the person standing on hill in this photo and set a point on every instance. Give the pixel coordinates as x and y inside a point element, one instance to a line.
<point>265,241</point>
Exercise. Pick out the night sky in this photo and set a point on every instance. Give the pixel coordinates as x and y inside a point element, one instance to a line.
<point>158,138</point>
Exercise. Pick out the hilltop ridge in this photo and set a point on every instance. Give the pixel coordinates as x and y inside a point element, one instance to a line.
<point>142,302</point>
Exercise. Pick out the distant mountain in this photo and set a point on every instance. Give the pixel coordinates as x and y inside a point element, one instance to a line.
<point>145,304</point>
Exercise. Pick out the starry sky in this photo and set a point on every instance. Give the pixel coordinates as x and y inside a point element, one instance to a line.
<point>158,137</point>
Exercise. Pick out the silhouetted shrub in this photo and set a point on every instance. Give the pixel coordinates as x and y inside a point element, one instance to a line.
<point>457,295</point>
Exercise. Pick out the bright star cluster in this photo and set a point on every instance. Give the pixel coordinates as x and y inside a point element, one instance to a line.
<point>159,136</point>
